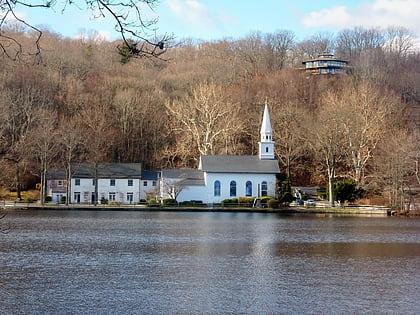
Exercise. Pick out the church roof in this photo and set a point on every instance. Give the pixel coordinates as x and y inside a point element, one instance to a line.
<point>188,177</point>
<point>266,125</point>
<point>238,164</point>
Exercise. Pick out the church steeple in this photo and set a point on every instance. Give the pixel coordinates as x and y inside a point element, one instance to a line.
<point>266,144</point>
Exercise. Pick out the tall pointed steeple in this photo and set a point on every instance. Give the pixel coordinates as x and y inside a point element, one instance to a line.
<point>266,144</point>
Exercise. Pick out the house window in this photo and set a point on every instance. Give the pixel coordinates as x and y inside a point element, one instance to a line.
<point>154,183</point>
<point>93,182</point>
<point>217,188</point>
<point>264,188</point>
<point>130,182</point>
<point>130,197</point>
<point>233,188</point>
<point>248,189</point>
<point>145,183</point>
<point>111,196</point>
<point>77,182</point>
<point>60,183</point>
<point>112,182</point>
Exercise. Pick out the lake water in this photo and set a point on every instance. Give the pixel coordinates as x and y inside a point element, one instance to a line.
<point>110,262</point>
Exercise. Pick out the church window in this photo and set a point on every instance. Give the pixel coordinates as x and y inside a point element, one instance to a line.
<point>266,149</point>
<point>233,188</point>
<point>264,188</point>
<point>217,188</point>
<point>248,189</point>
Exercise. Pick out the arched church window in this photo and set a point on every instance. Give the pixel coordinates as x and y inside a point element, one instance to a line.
<point>217,188</point>
<point>233,188</point>
<point>264,188</point>
<point>266,149</point>
<point>248,189</point>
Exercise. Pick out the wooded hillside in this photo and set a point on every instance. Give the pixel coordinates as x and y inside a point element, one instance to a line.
<point>85,100</point>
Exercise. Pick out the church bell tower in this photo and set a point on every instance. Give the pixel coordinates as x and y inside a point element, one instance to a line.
<point>266,144</point>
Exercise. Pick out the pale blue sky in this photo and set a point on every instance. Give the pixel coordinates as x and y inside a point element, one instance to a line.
<point>219,19</point>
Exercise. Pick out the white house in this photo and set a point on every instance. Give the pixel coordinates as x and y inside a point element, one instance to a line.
<point>117,182</point>
<point>220,177</point>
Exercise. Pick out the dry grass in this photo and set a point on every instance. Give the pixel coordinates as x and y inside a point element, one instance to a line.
<point>26,195</point>
<point>373,201</point>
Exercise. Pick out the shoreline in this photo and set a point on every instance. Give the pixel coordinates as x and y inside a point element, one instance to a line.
<point>378,211</point>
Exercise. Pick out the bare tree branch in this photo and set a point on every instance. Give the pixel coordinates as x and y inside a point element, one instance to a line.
<point>128,16</point>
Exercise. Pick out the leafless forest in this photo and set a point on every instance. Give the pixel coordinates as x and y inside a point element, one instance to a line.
<point>85,100</point>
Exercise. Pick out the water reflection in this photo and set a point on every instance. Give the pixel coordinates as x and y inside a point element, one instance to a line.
<point>195,263</point>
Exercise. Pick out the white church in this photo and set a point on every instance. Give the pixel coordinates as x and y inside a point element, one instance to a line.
<point>220,177</point>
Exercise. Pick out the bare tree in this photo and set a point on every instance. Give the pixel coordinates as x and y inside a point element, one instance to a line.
<point>19,117</point>
<point>98,136</point>
<point>398,41</point>
<point>394,166</point>
<point>290,143</point>
<point>278,46</point>
<point>129,16</point>
<point>352,42</point>
<point>71,143</point>
<point>367,113</point>
<point>327,138</point>
<point>205,116</point>
<point>44,144</point>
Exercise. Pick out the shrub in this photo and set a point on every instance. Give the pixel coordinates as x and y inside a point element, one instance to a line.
<point>245,201</point>
<point>104,201</point>
<point>153,202</point>
<point>169,202</point>
<point>230,202</point>
<point>48,198</point>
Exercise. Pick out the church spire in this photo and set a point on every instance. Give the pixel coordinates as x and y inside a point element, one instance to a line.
<point>266,144</point>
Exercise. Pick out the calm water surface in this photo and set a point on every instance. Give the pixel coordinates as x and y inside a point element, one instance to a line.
<point>76,262</point>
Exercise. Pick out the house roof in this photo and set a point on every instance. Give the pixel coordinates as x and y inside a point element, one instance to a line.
<point>187,177</point>
<point>105,170</point>
<point>238,164</point>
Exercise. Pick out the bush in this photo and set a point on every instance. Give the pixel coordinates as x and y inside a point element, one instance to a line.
<point>169,202</point>
<point>153,202</point>
<point>241,201</point>
<point>230,202</point>
<point>245,201</point>
<point>104,201</point>
<point>48,198</point>
<point>192,203</point>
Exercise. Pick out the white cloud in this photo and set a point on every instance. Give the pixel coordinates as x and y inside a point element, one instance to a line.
<point>369,14</point>
<point>194,13</point>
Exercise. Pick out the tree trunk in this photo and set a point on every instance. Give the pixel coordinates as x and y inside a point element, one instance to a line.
<point>43,177</point>
<point>96,184</point>
<point>331,175</point>
<point>18,188</point>
<point>68,185</point>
